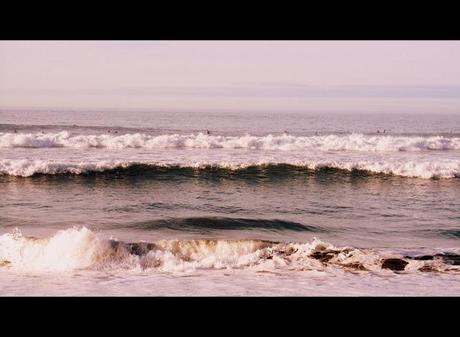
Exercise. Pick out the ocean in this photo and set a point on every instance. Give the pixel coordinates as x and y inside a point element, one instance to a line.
<point>220,203</point>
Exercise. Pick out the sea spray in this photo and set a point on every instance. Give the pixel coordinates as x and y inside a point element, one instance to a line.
<point>80,248</point>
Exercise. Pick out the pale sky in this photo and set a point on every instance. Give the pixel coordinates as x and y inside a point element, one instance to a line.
<point>362,76</point>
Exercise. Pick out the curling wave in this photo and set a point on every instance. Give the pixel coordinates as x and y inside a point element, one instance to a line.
<point>406,168</point>
<point>285,142</point>
<point>80,248</point>
<point>224,223</point>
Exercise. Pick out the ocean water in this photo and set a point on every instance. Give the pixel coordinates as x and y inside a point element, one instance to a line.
<point>164,203</point>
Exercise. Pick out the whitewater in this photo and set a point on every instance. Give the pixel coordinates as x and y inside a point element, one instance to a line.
<point>423,157</point>
<point>76,250</point>
<point>285,142</point>
<point>80,248</point>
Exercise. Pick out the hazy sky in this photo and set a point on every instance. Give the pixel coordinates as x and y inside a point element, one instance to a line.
<point>375,76</point>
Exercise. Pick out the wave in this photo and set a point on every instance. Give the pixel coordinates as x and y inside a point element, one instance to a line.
<point>451,233</point>
<point>417,169</point>
<point>80,248</point>
<point>224,223</point>
<point>285,142</point>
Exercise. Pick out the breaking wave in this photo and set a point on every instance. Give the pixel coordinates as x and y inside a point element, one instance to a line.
<point>285,142</point>
<point>418,169</point>
<point>80,248</point>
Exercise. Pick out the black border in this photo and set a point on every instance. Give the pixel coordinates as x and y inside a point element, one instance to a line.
<point>217,21</point>
<point>197,315</point>
<point>222,22</point>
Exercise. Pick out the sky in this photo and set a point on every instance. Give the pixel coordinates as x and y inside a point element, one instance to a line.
<point>312,76</point>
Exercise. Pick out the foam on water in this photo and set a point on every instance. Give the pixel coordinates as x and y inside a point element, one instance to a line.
<point>440,168</point>
<point>80,248</point>
<point>285,142</point>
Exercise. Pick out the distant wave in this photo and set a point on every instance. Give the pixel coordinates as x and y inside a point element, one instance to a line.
<point>419,169</point>
<point>285,142</point>
<point>80,248</point>
<point>223,223</point>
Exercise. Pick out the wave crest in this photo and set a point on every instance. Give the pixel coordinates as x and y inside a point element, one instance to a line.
<point>418,169</point>
<point>80,248</point>
<point>285,142</point>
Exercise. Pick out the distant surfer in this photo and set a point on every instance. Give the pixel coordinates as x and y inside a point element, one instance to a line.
<point>208,132</point>
<point>15,131</point>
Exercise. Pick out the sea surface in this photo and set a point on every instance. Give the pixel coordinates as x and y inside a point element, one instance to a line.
<point>169,203</point>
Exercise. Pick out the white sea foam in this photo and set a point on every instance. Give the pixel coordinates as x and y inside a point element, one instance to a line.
<point>80,248</point>
<point>29,167</point>
<point>68,249</point>
<point>446,168</point>
<point>285,142</point>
